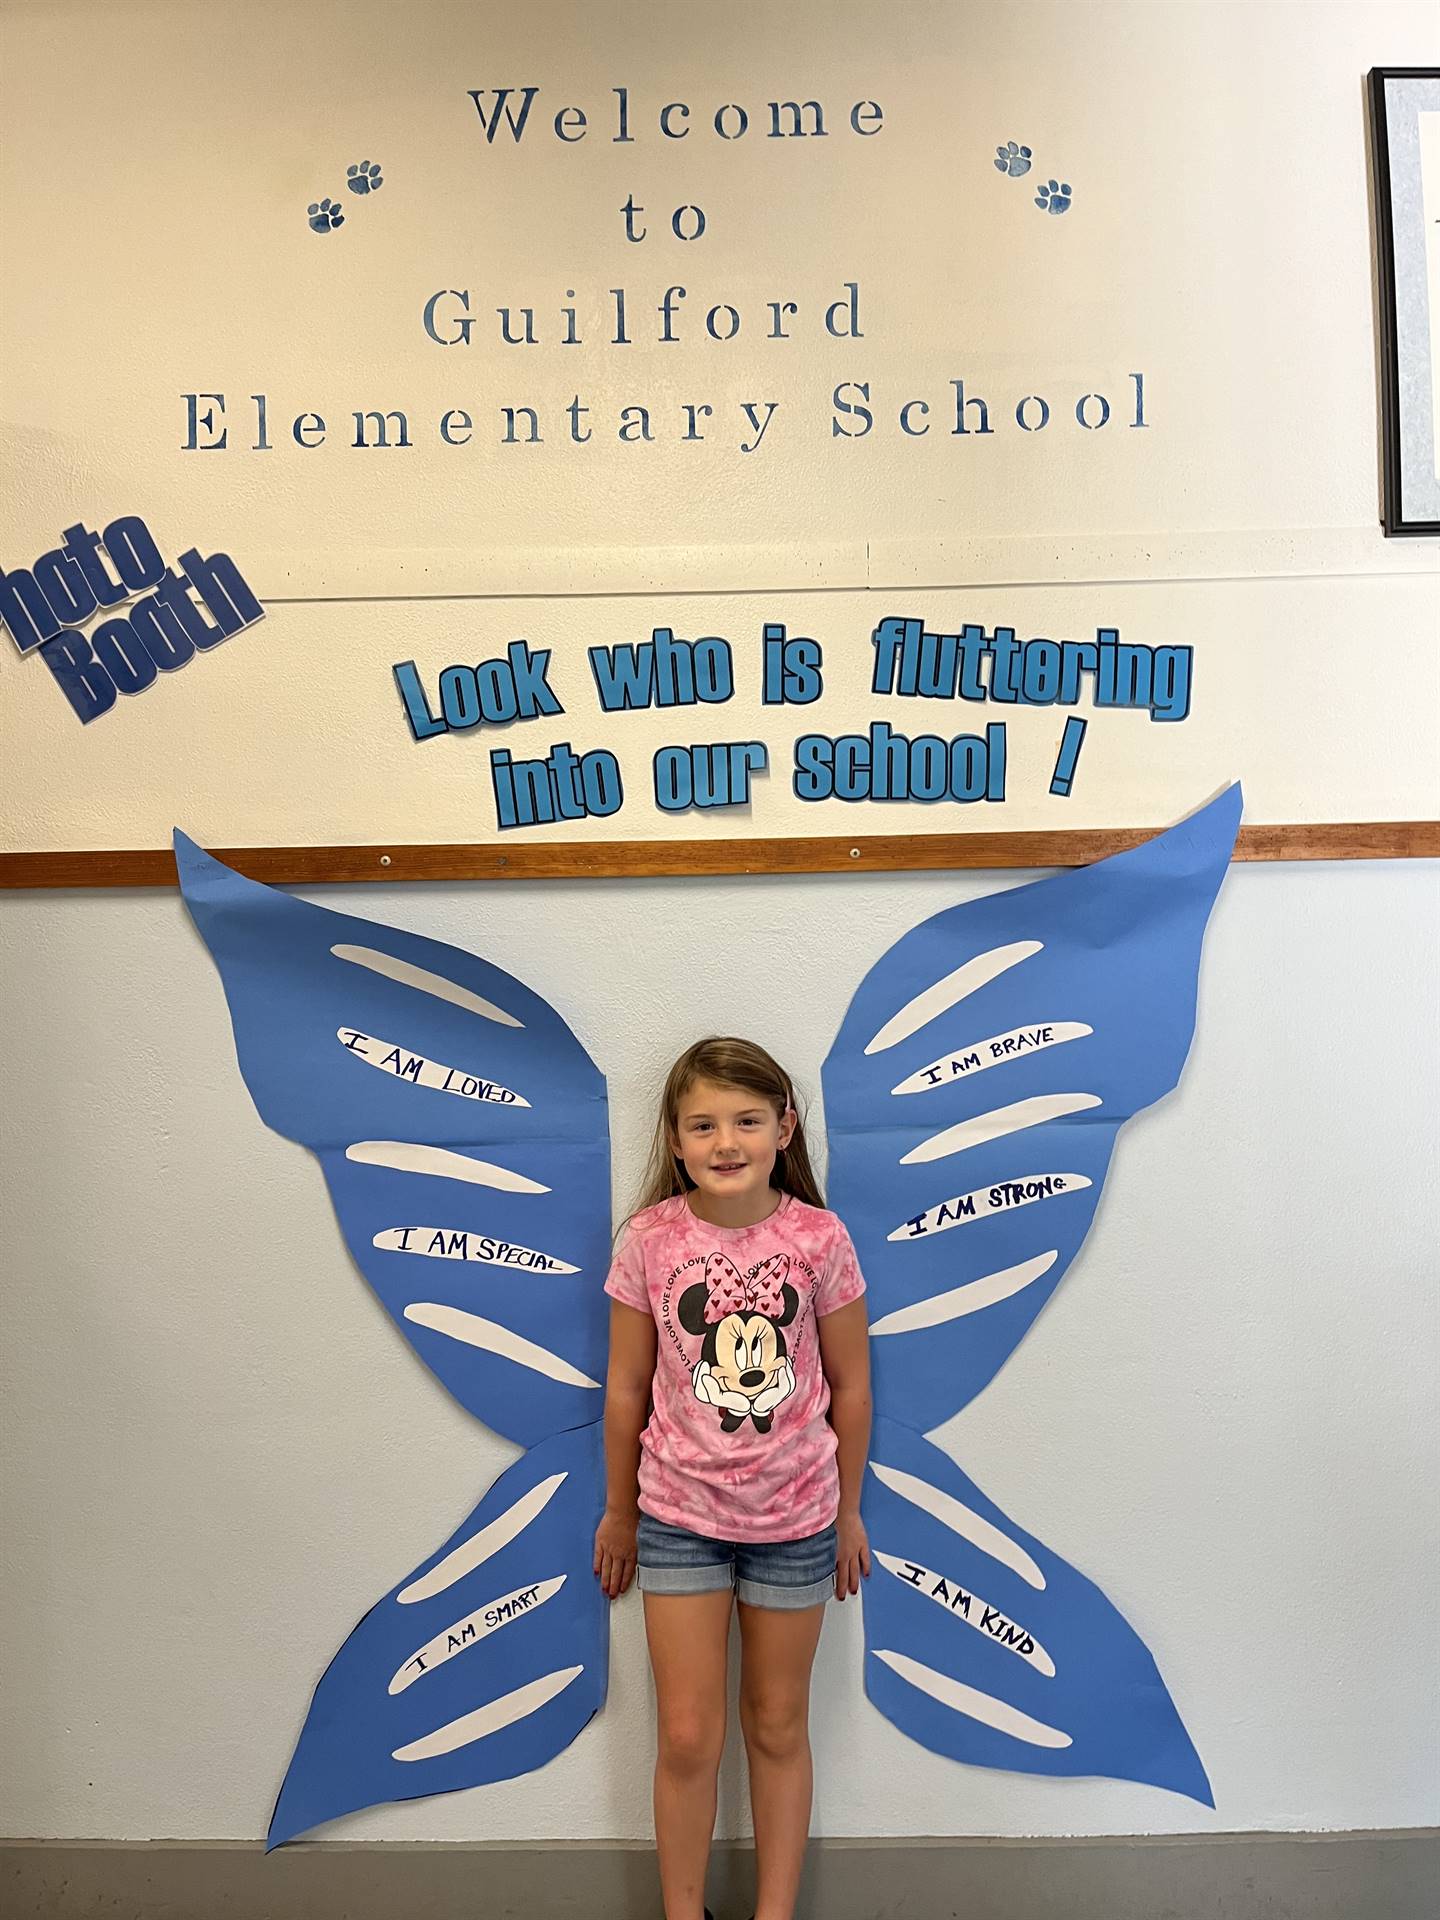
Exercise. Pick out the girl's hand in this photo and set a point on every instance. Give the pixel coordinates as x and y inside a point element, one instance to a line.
<point>615,1551</point>
<point>852,1555</point>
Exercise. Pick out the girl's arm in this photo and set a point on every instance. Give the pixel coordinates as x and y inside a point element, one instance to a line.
<point>627,1405</point>
<point>845,1356</point>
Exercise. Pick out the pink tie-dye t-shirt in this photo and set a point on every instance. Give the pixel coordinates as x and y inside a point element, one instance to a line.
<point>737,1446</point>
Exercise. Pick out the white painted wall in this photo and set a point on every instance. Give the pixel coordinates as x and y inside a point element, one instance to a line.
<point>218,1452</point>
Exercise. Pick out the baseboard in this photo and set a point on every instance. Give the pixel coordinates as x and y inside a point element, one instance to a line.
<point>1236,1876</point>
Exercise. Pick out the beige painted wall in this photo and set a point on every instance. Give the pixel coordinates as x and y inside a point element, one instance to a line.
<point>1217,247</point>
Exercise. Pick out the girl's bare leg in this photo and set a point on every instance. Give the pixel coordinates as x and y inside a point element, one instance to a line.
<point>689,1636</point>
<point>777,1653</point>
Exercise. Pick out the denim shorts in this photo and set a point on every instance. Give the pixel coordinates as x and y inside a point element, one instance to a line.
<point>782,1574</point>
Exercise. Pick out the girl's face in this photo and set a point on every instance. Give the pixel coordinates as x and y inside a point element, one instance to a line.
<point>728,1137</point>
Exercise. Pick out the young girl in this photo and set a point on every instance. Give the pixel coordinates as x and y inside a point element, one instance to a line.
<point>737,1325</point>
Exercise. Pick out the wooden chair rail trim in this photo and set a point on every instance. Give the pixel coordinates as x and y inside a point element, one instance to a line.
<point>650,859</point>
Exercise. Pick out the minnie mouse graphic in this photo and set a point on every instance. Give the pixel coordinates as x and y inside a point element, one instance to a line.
<point>743,1369</point>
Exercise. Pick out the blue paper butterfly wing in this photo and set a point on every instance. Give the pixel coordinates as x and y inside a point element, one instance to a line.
<point>983,1645</point>
<point>462,1128</point>
<point>484,1664</point>
<point>1075,1009</point>
<point>972,1098</point>
<point>522,1347</point>
<point>463,1131</point>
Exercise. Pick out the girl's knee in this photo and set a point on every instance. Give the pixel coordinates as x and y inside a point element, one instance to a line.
<point>691,1742</point>
<point>776,1729</point>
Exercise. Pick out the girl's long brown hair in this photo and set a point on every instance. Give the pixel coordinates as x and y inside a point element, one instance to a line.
<point>749,1069</point>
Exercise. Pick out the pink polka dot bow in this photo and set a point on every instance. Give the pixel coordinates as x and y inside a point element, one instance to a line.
<point>729,1291</point>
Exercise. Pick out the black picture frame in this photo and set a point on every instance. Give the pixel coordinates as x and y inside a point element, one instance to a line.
<point>1403,511</point>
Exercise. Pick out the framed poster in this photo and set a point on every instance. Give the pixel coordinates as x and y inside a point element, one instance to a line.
<point>1405,134</point>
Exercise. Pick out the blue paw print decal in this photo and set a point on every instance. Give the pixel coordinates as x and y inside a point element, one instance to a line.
<point>1012,160</point>
<point>1054,196</point>
<point>364,178</point>
<point>325,214</point>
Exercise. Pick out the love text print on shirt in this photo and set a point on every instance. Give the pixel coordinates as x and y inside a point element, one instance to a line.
<point>744,1368</point>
